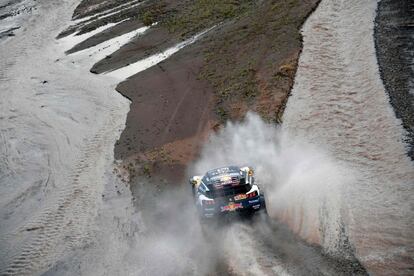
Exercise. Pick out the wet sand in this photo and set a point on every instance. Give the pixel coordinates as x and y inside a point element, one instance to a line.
<point>58,126</point>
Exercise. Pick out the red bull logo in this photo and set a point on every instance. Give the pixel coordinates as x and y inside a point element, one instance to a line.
<point>231,207</point>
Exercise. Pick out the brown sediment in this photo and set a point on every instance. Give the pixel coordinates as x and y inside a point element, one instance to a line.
<point>259,54</point>
<point>177,21</point>
<point>170,108</point>
<point>247,63</point>
<point>147,12</point>
<point>120,29</point>
<point>155,40</point>
<point>91,7</point>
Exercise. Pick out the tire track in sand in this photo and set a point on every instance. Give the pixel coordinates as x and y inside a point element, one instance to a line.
<point>66,218</point>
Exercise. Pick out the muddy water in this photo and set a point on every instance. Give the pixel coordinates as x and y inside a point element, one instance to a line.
<point>339,103</point>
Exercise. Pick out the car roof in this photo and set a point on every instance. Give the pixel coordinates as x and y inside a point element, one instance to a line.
<point>229,170</point>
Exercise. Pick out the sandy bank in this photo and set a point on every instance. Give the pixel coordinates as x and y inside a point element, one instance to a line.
<point>58,127</point>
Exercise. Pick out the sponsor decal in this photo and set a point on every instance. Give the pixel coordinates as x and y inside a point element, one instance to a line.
<point>220,171</point>
<point>225,180</point>
<point>240,197</point>
<point>231,207</point>
<point>254,201</point>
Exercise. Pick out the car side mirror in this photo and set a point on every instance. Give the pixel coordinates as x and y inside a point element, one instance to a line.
<point>193,180</point>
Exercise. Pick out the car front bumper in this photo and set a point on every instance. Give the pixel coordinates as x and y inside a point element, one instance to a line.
<point>246,205</point>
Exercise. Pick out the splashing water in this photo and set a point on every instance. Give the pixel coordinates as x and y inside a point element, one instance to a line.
<point>302,183</point>
<point>337,171</point>
<point>339,102</point>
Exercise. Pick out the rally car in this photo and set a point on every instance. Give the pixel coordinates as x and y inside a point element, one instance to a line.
<point>227,190</point>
